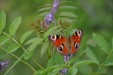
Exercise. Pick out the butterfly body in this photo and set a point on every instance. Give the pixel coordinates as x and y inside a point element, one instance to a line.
<point>67,46</point>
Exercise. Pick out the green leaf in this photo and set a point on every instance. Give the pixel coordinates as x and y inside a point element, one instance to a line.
<point>2,20</point>
<point>12,47</point>
<point>44,47</point>
<point>78,56</point>
<point>84,62</point>
<point>45,71</point>
<point>90,54</point>
<point>109,60</point>
<point>67,14</point>
<point>25,35</point>
<point>3,39</point>
<point>73,70</point>
<point>55,71</point>
<point>112,43</point>
<point>109,64</point>
<point>56,59</point>
<point>14,25</point>
<point>32,47</point>
<point>30,41</point>
<point>50,31</point>
<point>101,42</point>
<point>2,54</point>
<point>43,9</point>
<point>67,7</point>
<point>84,69</point>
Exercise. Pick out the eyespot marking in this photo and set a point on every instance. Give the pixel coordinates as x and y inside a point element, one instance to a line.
<point>79,32</point>
<point>60,48</point>
<point>76,45</point>
<point>52,37</point>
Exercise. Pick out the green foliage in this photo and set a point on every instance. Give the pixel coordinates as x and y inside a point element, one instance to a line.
<point>32,51</point>
<point>2,20</point>
<point>44,47</point>
<point>32,47</point>
<point>14,25</point>
<point>25,35</point>
<point>98,54</point>
<point>92,55</point>
<point>101,42</point>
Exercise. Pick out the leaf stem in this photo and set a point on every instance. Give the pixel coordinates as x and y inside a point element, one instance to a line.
<point>18,58</point>
<point>21,47</point>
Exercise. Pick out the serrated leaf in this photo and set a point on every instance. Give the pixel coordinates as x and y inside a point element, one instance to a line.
<point>91,55</point>
<point>12,47</point>
<point>44,47</point>
<point>3,39</point>
<point>25,35</point>
<point>2,20</point>
<point>14,25</point>
<point>101,42</point>
<point>32,47</point>
<point>50,31</point>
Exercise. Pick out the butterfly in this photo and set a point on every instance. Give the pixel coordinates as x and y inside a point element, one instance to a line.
<point>67,46</point>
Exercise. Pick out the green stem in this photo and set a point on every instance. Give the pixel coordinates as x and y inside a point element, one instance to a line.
<point>37,63</point>
<point>21,59</point>
<point>109,54</point>
<point>106,59</point>
<point>14,64</point>
<point>21,47</point>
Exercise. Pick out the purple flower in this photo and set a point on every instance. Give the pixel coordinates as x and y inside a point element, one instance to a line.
<point>4,64</point>
<point>67,58</point>
<point>50,17</point>
<point>64,71</point>
<point>55,6</point>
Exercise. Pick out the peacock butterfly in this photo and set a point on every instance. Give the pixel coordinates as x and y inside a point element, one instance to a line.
<point>67,46</point>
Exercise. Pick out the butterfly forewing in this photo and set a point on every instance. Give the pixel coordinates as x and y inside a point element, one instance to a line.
<point>75,41</point>
<point>60,43</point>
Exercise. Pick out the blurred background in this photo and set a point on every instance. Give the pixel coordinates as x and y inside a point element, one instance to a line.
<point>92,16</point>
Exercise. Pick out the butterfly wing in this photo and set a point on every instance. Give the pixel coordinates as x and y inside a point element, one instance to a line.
<point>60,43</point>
<point>75,40</point>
